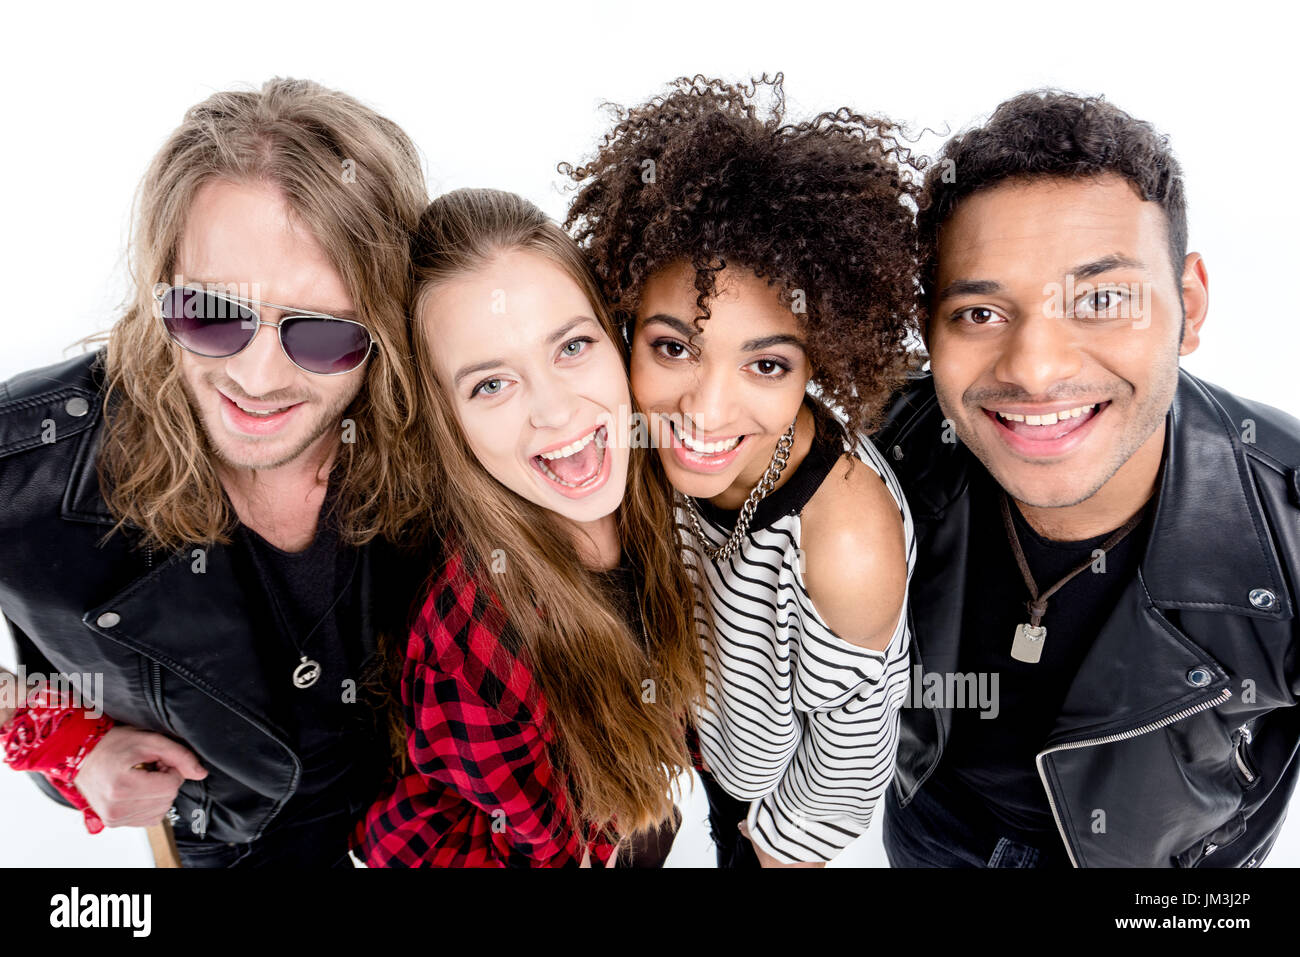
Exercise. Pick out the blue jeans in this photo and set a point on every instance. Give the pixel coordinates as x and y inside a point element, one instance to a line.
<point>927,834</point>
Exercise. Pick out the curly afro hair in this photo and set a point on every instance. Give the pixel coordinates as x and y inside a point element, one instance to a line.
<point>824,210</point>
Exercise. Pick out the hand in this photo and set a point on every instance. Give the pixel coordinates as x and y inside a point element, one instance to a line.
<point>123,792</point>
<point>767,860</point>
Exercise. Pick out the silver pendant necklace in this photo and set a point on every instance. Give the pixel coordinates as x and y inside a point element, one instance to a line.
<point>780,456</point>
<point>307,673</point>
<point>308,670</point>
<point>1027,645</point>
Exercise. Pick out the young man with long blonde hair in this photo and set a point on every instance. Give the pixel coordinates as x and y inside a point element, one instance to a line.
<point>201,517</point>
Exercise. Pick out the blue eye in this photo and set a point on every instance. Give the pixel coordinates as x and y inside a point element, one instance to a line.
<point>580,342</point>
<point>483,387</point>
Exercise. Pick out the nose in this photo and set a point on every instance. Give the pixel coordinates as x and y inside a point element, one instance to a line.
<point>708,404</point>
<point>263,368</point>
<point>553,403</point>
<point>1039,352</point>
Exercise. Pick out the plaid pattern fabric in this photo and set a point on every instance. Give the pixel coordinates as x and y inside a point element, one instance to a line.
<point>482,792</point>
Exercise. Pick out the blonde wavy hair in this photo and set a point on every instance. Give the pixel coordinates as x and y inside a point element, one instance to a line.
<point>618,755</point>
<point>355,180</point>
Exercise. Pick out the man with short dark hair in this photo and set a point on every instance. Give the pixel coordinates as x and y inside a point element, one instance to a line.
<point>1106,541</point>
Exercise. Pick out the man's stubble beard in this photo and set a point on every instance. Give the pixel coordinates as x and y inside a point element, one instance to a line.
<point>1151,414</point>
<point>329,418</point>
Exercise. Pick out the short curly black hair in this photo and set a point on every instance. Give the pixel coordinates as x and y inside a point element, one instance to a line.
<point>1051,133</point>
<point>823,209</point>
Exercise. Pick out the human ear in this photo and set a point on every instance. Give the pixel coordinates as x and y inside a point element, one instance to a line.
<point>1196,301</point>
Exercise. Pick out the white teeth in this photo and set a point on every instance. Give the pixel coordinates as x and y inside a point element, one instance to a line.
<point>1051,418</point>
<point>260,415</point>
<point>571,448</point>
<point>598,436</point>
<point>706,448</point>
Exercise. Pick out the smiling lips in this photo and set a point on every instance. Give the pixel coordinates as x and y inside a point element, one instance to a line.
<point>253,421</point>
<point>1046,433</point>
<point>699,456</point>
<point>576,467</point>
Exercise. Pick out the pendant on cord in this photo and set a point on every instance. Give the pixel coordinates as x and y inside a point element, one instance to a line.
<point>1028,643</point>
<point>307,673</point>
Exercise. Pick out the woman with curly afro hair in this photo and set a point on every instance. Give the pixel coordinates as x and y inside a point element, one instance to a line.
<point>764,275</point>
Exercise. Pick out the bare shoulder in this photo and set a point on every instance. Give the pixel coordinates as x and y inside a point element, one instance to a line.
<point>855,558</point>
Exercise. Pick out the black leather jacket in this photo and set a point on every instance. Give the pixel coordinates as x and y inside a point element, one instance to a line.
<point>178,651</point>
<point>1180,727</point>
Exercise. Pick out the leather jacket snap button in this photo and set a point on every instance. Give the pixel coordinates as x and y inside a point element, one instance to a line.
<point>897,453</point>
<point>76,407</point>
<point>1198,677</point>
<point>1263,599</point>
<point>108,619</point>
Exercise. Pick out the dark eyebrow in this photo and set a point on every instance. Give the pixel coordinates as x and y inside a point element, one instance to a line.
<point>1106,264</point>
<point>678,325</point>
<point>969,287</point>
<point>753,345</point>
<point>555,336</point>
<point>989,287</point>
<point>766,342</point>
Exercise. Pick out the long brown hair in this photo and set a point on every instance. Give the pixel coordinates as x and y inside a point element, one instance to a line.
<point>355,179</point>
<point>618,705</point>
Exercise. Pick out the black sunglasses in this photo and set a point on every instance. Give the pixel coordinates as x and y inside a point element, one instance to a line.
<point>218,326</point>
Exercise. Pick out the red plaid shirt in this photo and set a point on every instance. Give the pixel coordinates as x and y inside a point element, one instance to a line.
<point>483,791</point>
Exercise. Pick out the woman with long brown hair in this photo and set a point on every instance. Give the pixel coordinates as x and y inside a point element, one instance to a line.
<point>546,681</point>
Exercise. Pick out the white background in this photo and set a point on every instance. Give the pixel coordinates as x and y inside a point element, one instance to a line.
<point>497,94</point>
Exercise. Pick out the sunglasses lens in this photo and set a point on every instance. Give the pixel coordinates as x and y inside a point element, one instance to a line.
<point>325,346</point>
<point>207,324</point>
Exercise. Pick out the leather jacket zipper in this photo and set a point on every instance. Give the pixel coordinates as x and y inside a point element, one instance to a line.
<point>1214,702</point>
<point>157,692</point>
<point>1241,738</point>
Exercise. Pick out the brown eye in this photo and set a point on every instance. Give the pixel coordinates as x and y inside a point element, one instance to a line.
<point>669,348</point>
<point>977,315</point>
<point>1101,303</point>
<point>772,369</point>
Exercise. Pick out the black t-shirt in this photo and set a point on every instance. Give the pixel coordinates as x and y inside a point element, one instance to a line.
<point>621,586</point>
<point>988,774</point>
<point>314,601</point>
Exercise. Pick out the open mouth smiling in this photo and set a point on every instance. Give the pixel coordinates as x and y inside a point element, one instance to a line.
<point>576,466</point>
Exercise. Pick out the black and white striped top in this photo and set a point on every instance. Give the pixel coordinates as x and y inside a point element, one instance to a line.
<point>800,722</point>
